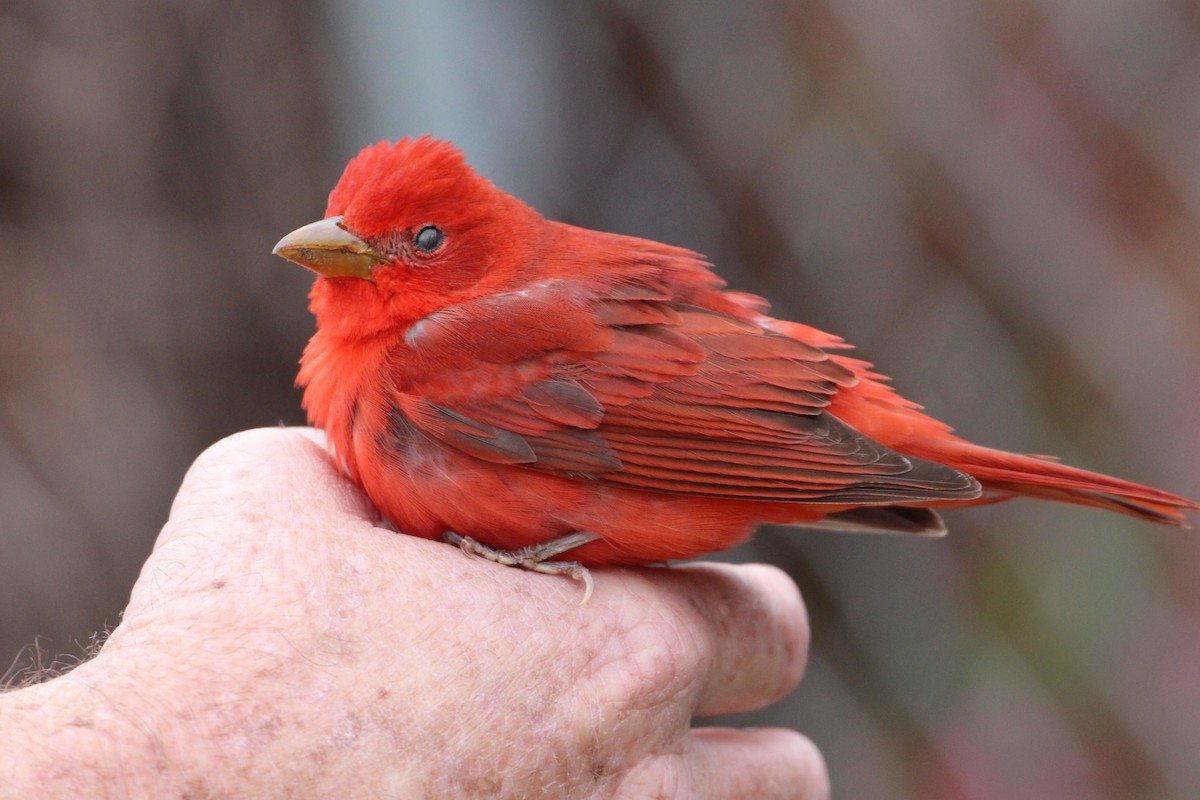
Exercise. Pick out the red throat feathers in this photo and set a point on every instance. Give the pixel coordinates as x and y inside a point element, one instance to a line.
<point>482,370</point>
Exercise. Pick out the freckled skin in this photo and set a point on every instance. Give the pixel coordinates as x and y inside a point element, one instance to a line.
<point>480,369</point>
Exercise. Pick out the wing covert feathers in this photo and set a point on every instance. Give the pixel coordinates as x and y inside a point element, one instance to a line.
<point>665,396</point>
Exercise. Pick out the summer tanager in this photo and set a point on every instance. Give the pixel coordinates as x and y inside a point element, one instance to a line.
<point>530,390</point>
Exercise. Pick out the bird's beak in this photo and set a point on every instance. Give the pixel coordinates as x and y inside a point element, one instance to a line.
<point>328,249</point>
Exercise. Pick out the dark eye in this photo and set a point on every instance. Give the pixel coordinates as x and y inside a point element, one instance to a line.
<point>428,239</point>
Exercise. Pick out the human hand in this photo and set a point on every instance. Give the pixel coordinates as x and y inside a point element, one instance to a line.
<point>278,641</point>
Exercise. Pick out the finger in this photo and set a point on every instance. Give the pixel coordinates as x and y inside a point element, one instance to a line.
<point>725,763</point>
<point>271,490</point>
<point>753,629</point>
<point>263,477</point>
<point>765,763</point>
<point>312,434</point>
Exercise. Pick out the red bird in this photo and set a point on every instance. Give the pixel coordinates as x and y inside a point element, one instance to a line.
<point>529,389</point>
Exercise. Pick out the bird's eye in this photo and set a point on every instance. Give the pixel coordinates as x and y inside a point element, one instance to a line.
<point>428,239</point>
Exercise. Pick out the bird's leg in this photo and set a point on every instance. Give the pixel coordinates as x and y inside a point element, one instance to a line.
<point>535,556</point>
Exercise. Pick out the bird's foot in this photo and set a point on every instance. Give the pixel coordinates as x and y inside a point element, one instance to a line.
<point>535,556</point>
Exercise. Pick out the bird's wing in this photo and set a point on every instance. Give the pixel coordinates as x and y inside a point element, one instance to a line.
<point>624,384</point>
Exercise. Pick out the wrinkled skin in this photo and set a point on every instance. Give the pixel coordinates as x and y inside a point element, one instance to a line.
<point>279,642</point>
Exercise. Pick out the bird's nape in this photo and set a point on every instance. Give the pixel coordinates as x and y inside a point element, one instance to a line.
<point>481,370</point>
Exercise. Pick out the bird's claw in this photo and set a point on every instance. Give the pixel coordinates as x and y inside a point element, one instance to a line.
<point>534,557</point>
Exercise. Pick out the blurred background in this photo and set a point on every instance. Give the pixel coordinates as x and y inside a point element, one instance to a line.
<point>997,201</point>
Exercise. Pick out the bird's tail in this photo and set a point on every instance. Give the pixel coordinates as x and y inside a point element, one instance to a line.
<point>1004,474</point>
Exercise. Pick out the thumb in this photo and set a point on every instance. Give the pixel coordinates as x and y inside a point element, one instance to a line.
<point>260,479</point>
<point>246,502</point>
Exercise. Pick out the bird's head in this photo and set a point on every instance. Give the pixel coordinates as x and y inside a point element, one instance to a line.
<point>409,229</point>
